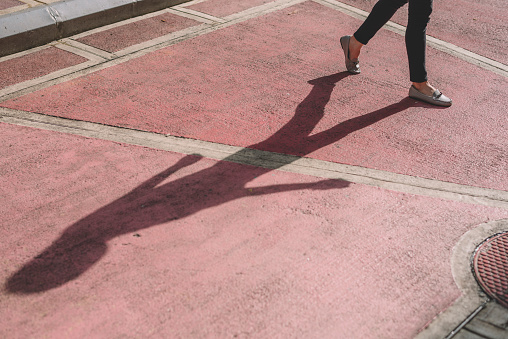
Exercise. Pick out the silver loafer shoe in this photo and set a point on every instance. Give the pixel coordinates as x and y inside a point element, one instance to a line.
<point>437,98</point>
<point>351,66</point>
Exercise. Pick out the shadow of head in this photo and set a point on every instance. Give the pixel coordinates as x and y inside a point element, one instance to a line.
<point>55,266</point>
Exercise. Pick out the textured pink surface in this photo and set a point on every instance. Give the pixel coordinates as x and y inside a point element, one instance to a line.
<point>222,8</point>
<point>4,4</point>
<point>249,83</point>
<point>118,38</point>
<point>36,64</point>
<point>126,241</point>
<point>479,26</point>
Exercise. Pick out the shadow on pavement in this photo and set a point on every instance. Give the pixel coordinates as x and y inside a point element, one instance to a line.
<point>84,243</point>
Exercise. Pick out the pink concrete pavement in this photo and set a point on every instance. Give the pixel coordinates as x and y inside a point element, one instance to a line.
<point>103,240</point>
<point>250,79</point>
<point>106,240</point>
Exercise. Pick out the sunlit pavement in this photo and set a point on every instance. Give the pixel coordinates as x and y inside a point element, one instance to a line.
<point>211,170</point>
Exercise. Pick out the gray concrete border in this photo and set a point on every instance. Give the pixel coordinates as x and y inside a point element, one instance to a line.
<point>40,25</point>
<point>283,162</point>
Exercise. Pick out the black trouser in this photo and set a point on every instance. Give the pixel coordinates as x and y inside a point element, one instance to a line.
<point>419,16</point>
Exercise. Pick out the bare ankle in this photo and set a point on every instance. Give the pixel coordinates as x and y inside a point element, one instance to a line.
<point>354,48</point>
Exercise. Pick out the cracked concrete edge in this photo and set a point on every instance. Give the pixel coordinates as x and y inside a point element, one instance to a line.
<point>40,25</point>
<point>447,323</point>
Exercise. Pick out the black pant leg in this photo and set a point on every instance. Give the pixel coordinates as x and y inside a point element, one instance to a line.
<point>416,42</point>
<point>380,14</point>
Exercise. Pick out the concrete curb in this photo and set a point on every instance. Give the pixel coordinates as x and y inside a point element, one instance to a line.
<point>40,25</point>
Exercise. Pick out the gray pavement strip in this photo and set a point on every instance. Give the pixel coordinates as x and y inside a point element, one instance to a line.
<point>283,162</point>
<point>43,24</point>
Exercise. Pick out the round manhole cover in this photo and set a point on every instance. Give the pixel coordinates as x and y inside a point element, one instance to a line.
<point>490,265</point>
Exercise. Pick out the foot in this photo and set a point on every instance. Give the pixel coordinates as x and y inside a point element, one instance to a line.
<point>424,88</point>
<point>352,66</point>
<point>429,94</point>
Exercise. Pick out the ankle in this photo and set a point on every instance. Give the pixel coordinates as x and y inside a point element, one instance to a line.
<point>354,48</point>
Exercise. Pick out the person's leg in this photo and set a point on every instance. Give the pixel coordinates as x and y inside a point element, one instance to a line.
<point>419,16</point>
<point>416,44</point>
<point>380,14</point>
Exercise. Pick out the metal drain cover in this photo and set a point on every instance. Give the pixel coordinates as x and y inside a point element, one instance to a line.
<point>490,264</point>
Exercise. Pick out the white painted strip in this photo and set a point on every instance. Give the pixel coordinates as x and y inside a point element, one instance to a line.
<point>79,47</point>
<point>32,3</point>
<point>13,9</point>
<point>187,15</point>
<point>82,50</point>
<point>27,52</point>
<point>189,3</point>
<point>41,82</point>
<point>261,10</point>
<point>283,162</point>
<point>119,24</point>
<point>199,14</point>
<point>456,51</point>
<point>165,40</point>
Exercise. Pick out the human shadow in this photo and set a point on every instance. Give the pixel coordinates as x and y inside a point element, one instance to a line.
<point>153,202</point>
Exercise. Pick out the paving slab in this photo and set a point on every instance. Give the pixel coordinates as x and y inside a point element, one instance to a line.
<point>36,64</point>
<point>117,38</point>
<point>6,4</point>
<point>106,239</point>
<point>252,86</point>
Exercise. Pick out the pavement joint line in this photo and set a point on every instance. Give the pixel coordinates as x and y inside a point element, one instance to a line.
<point>189,3</point>
<point>84,50</point>
<point>152,45</point>
<point>177,11</point>
<point>27,52</point>
<point>260,10</point>
<point>119,24</point>
<point>288,163</point>
<point>44,81</point>
<point>33,2</point>
<point>443,46</point>
<point>200,14</point>
<point>14,9</point>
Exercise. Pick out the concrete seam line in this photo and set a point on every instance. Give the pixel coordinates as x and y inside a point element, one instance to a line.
<point>288,163</point>
<point>43,81</point>
<point>190,3</point>
<point>446,47</point>
<point>121,23</point>
<point>185,14</point>
<point>155,44</point>
<point>79,46</point>
<point>27,52</point>
<point>69,46</point>
<point>14,9</point>
<point>199,14</point>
